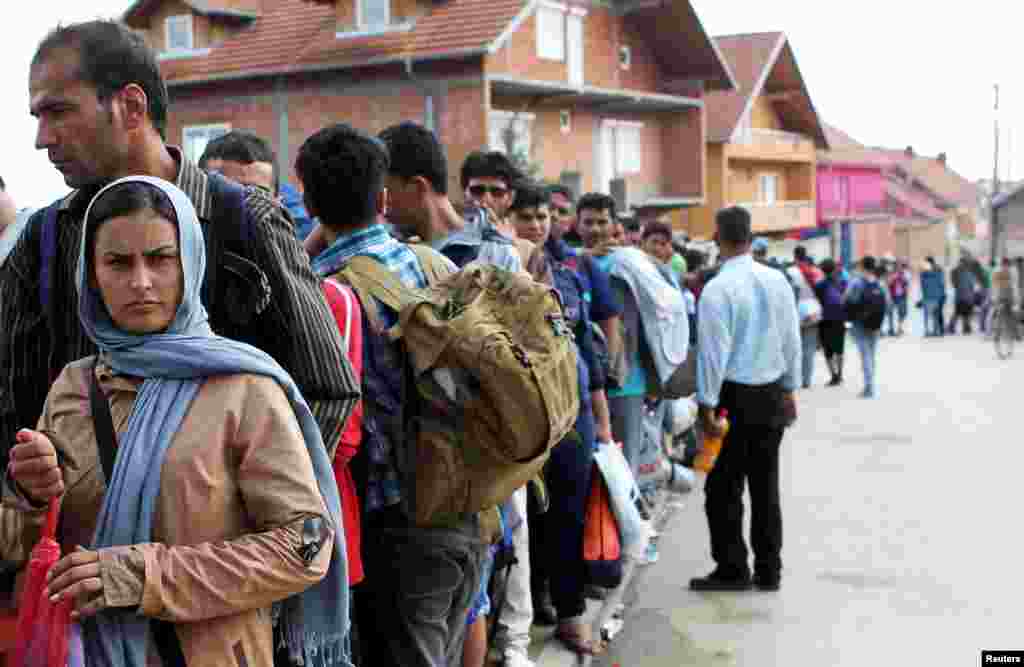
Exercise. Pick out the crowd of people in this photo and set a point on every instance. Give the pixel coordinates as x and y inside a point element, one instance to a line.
<point>224,383</point>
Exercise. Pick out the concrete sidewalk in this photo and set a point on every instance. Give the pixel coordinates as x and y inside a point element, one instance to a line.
<point>547,651</point>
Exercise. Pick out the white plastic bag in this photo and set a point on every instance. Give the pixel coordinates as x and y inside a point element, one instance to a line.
<point>684,415</point>
<point>634,532</point>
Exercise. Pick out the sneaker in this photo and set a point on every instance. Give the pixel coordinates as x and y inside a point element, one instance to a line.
<point>717,581</point>
<point>515,658</point>
<point>650,554</point>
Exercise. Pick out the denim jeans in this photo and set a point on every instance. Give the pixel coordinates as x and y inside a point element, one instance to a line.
<point>867,345</point>
<point>420,585</point>
<point>809,343</point>
<point>896,315</point>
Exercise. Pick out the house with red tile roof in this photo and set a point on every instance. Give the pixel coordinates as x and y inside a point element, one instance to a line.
<point>603,96</point>
<point>762,140</point>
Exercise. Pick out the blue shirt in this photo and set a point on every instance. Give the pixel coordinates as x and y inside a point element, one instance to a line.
<point>635,383</point>
<point>596,284</point>
<point>748,330</point>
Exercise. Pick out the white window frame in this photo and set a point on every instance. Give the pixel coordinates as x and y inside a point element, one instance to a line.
<point>628,157</point>
<point>362,26</point>
<point>549,15</point>
<point>768,195</point>
<point>209,132</point>
<point>186,19</point>
<point>500,119</point>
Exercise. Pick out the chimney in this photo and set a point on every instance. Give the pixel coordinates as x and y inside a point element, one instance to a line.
<point>942,158</point>
<point>909,152</point>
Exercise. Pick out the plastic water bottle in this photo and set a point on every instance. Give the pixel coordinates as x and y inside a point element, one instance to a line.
<point>711,447</point>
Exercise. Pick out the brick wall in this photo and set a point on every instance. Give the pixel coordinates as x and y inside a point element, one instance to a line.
<point>369,100</point>
<point>603,34</point>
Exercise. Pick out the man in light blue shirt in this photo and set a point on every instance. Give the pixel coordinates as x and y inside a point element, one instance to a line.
<point>749,363</point>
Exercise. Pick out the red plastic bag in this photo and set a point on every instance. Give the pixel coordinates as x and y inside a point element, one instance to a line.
<point>43,627</point>
<point>602,550</point>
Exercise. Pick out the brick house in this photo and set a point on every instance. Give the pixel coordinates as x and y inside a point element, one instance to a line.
<point>602,95</point>
<point>762,140</point>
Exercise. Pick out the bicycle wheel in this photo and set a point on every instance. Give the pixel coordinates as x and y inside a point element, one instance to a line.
<point>1003,334</point>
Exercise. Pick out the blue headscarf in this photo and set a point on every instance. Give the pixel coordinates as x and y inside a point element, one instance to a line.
<point>315,623</point>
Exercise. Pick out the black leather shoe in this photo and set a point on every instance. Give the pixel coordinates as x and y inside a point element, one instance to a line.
<point>543,611</point>
<point>769,583</point>
<point>717,581</point>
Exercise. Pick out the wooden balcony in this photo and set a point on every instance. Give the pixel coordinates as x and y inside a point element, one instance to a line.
<point>772,146</point>
<point>783,216</point>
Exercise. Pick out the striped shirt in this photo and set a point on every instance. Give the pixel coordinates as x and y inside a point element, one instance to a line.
<point>291,320</point>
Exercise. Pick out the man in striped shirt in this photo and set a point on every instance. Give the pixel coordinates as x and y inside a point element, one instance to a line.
<point>101,105</point>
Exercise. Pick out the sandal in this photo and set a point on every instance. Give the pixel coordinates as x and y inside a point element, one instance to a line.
<point>576,637</point>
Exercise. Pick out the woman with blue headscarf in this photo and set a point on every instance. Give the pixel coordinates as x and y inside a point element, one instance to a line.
<point>219,518</point>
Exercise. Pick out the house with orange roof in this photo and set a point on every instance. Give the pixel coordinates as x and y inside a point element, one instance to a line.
<point>762,139</point>
<point>606,96</point>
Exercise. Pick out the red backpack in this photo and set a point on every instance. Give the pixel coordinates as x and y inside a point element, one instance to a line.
<point>349,316</point>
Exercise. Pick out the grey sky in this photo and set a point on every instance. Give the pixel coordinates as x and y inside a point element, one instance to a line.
<point>889,72</point>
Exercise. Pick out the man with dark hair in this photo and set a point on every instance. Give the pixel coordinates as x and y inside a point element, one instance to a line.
<point>419,206</point>
<point>244,157</point>
<point>866,301</point>
<point>748,365</point>
<point>562,213</point>
<point>595,216</point>
<point>657,241</point>
<point>489,179</point>
<point>557,535</point>
<point>419,581</point>
<point>101,106</point>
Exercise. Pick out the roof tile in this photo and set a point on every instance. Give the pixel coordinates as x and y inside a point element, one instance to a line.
<point>296,34</point>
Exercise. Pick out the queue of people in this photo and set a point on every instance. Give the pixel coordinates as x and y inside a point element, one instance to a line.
<point>247,399</point>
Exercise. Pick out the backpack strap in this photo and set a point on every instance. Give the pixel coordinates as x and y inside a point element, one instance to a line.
<point>47,252</point>
<point>433,263</point>
<point>229,229</point>
<point>46,233</point>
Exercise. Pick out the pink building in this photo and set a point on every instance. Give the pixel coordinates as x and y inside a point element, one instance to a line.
<point>852,204</point>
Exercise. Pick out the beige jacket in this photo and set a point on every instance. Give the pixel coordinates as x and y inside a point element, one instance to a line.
<point>237,489</point>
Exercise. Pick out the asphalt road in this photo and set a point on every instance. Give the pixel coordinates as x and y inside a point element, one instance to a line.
<point>902,520</point>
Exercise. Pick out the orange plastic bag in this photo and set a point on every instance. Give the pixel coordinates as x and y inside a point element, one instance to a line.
<point>602,550</point>
<point>43,627</point>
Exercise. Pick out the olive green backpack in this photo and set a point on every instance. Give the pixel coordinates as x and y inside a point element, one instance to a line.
<point>492,380</point>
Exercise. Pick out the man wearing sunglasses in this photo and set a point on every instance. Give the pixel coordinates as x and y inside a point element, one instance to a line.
<point>488,179</point>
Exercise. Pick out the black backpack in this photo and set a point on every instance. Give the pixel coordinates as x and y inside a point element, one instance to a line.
<point>869,310</point>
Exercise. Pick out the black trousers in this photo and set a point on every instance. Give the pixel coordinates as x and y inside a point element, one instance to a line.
<point>833,337</point>
<point>556,536</point>
<point>750,456</point>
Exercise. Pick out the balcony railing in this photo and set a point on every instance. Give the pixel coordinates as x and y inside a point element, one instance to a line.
<point>781,216</point>
<point>758,143</point>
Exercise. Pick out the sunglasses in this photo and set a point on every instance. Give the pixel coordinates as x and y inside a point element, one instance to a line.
<point>493,190</point>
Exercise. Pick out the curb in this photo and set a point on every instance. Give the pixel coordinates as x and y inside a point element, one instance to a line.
<point>551,652</point>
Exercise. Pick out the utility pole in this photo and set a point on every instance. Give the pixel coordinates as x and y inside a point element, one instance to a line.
<point>994,224</point>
